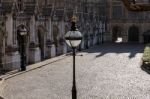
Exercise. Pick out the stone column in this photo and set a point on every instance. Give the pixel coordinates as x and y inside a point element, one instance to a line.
<point>64,46</point>
<point>34,52</point>
<point>53,47</point>
<point>59,48</point>
<point>11,60</point>
<point>32,29</point>
<point>9,29</point>
<point>2,51</point>
<point>48,39</point>
<point>49,29</point>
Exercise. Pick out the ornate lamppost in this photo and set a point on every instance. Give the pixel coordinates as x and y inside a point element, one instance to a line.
<point>73,39</point>
<point>22,32</point>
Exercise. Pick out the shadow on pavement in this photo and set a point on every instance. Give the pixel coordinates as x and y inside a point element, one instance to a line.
<point>131,48</point>
<point>1,97</point>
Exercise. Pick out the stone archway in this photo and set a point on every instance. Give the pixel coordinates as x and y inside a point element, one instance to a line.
<point>116,33</point>
<point>133,34</point>
<point>41,40</point>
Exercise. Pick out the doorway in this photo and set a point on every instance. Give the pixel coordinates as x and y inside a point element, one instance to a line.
<point>116,34</point>
<point>133,34</point>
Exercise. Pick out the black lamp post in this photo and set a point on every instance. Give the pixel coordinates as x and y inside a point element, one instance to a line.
<point>73,39</point>
<point>22,38</point>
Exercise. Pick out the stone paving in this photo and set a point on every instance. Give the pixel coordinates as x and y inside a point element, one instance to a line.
<point>109,71</point>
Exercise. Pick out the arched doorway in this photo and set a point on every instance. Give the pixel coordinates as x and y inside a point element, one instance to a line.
<point>41,40</point>
<point>133,34</point>
<point>116,34</point>
<point>56,38</point>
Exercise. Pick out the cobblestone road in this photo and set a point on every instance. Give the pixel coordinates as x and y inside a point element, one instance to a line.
<point>109,71</point>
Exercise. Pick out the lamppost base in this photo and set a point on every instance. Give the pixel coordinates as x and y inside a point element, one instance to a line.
<point>74,93</point>
<point>23,69</point>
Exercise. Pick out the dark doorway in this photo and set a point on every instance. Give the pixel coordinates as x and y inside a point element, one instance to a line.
<point>146,37</point>
<point>133,34</point>
<point>41,34</point>
<point>116,34</point>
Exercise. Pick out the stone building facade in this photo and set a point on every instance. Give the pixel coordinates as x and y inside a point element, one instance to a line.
<point>46,22</point>
<point>128,25</point>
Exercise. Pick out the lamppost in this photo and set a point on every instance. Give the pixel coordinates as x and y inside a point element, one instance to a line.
<point>22,32</point>
<point>73,39</point>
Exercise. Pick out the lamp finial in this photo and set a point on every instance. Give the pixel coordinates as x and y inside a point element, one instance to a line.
<point>74,19</point>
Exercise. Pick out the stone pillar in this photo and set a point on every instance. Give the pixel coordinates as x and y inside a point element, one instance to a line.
<point>53,51</point>
<point>34,55</point>
<point>48,39</point>
<point>11,59</point>
<point>9,29</point>
<point>32,29</point>
<point>49,29</point>
<point>34,51</point>
<point>61,49</point>
<point>64,46</point>
<point>60,44</point>
<point>53,47</point>
<point>82,44</point>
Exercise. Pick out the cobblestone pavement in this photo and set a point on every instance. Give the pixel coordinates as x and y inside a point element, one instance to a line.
<point>109,71</point>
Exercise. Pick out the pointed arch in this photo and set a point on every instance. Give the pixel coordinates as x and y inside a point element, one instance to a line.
<point>41,39</point>
<point>55,33</point>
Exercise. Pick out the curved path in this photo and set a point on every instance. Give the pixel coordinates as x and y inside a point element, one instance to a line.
<point>109,71</point>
